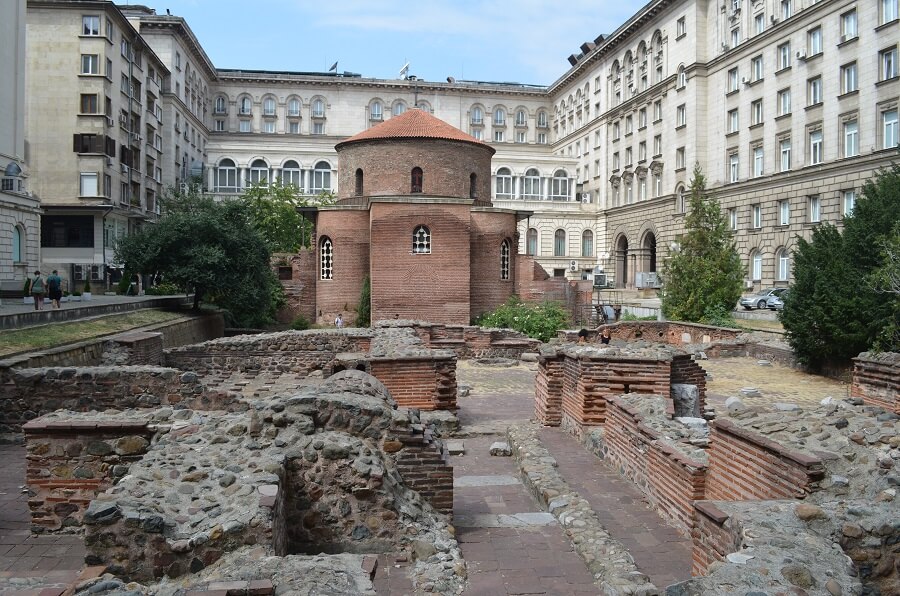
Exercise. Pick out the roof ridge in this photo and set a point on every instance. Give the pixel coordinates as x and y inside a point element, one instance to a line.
<point>414,124</point>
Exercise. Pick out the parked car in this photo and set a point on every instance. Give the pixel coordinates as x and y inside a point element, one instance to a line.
<point>760,299</point>
<point>776,301</point>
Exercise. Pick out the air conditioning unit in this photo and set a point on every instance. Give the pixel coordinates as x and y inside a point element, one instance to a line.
<point>124,169</point>
<point>78,272</point>
<point>748,284</point>
<point>725,47</point>
<point>774,19</point>
<point>109,121</point>
<point>96,272</point>
<point>801,54</point>
<point>573,265</point>
<point>585,197</point>
<point>599,280</point>
<point>123,119</point>
<point>109,161</point>
<point>745,80</point>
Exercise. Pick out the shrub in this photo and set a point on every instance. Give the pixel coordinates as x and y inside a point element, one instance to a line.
<point>717,316</point>
<point>27,288</point>
<point>364,309</point>
<point>87,286</point>
<point>301,323</point>
<point>633,317</point>
<point>539,321</point>
<point>164,289</point>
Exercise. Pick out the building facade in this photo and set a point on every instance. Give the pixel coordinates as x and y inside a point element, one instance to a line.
<point>786,105</point>
<point>19,210</point>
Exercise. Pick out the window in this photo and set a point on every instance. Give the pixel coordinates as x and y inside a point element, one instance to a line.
<point>220,126</point>
<point>680,27</point>
<point>734,172</point>
<point>756,265</point>
<point>756,215</point>
<point>293,107</point>
<point>732,218</point>
<point>504,260</point>
<point>851,138</point>
<point>756,68</point>
<point>321,178</point>
<point>733,120</point>
<point>889,129</point>
<point>473,185</point>
<point>220,105</point>
<point>784,212</point>
<point>784,56</point>
<point>294,128</point>
<point>421,241</point>
<point>642,188</point>
<point>399,108</point>
<point>269,126</point>
<point>814,88</point>
<point>499,117</point>
<point>759,23</point>
<point>888,11</point>
<point>503,183</point>
<point>629,125</point>
<point>681,204</point>
<point>587,243</point>
<point>177,61</point>
<point>559,243</point>
<point>244,126</point>
<point>682,77</point>
<point>559,188</point>
<point>735,37</point>
<point>88,186</point>
<point>521,118</point>
<point>657,110</point>
<point>531,184</point>
<point>815,214</point>
<point>887,63</point>
<point>291,175</point>
<point>787,9</point>
<point>259,172</point>
<point>326,258</point>
<point>756,112</point>
<point>657,145</point>
<point>246,106</point>
<point>849,202</point>
<point>642,151</point>
<point>90,64</point>
<point>375,112</point>
<point>784,102</point>
<point>680,116</point>
<point>542,119</point>
<point>226,176</point>
<point>318,108</point>
<point>67,231</point>
<point>733,80</point>
<point>416,180</point>
<point>628,157</point>
<point>849,81</point>
<point>814,41</point>
<point>542,138</point>
<point>615,131</point>
<point>18,244</point>
<point>89,103</point>
<point>90,25</point>
<point>815,147</point>
<point>318,128</point>
<point>269,106</point>
<point>642,118</point>
<point>784,148</point>
<point>615,161</point>
<point>531,242</point>
<point>757,162</point>
<point>477,116</point>
<point>849,28</point>
<point>679,158</point>
<point>499,136</point>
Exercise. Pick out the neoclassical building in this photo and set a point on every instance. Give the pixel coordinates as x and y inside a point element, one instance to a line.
<point>787,105</point>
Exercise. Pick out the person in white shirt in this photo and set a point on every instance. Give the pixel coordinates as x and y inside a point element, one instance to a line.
<point>339,321</point>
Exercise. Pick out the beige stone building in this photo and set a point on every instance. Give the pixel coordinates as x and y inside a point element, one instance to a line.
<point>19,210</point>
<point>787,105</point>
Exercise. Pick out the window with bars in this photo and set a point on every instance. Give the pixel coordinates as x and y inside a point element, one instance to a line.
<point>421,241</point>
<point>504,259</point>
<point>326,258</point>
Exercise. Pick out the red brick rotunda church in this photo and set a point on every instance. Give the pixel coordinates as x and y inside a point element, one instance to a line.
<point>414,214</point>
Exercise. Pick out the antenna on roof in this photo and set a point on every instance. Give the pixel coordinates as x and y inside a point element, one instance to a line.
<point>404,71</point>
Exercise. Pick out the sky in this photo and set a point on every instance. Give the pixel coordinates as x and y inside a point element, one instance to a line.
<point>523,41</point>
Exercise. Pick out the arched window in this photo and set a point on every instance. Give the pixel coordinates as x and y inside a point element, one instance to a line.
<point>783,256</point>
<point>559,243</point>
<point>531,185</point>
<point>318,108</point>
<point>226,176</point>
<point>18,244</point>
<point>473,185</point>
<point>681,199</point>
<point>504,259</point>
<point>499,117</point>
<point>246,106</point>
<point>424,106</point>
<point>542,119</point>
<point>259,172</point>
<point>291,175</point>
<point>477,115</point>
<point>682,77</point>
<point>560,188</point>
<point>221,104</point>
<point>399,108</point>
<point>359,182</point>
<point>269,106</point>
<point>421,241</point>
<point>503,184</point>
<point>521,118</point>
<point>321,178</point>
<point>326,258</point>
<point>293,107</point>
<point>375,112</point>
<point>416,180</point>
<point>756,263</point>
<point>531,241</point>
<point>587,243</point>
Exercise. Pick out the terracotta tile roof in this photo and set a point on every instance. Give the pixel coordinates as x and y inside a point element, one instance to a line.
<point>413,124</point>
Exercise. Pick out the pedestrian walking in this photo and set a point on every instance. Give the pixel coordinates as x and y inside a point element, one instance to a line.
<point>54,289</point>
<point>339,321</point>
<point>38,288</point>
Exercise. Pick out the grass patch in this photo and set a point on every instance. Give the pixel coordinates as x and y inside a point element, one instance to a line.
<point>761,325</point>
<point>57,334</point>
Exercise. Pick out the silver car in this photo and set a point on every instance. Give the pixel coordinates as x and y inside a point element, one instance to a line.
<point>760,299</point>
<point>776,301</point>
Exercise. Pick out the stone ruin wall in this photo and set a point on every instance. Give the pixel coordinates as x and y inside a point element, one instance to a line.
<point>876,380</point>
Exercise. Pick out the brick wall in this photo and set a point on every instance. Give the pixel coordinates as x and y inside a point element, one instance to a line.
<point>69,463</point>
<point>138,347</point>
<point>876,379</point>
<point>744,465</point>
<point>426,287</point>
<point>300,290</point>
<point>533,284</point>
<point>548,390</point>
<point>490,227</point>
<point>424,465</point>
<point>674,334</point>
<point>348,229</point>
<point>714,535</point>
<point>387,167</point>
<point>686,371</point>
<point>424,383</point>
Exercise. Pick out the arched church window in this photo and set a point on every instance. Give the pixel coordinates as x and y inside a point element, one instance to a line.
<point>416,183</point>
<point>504,259</point>
<point>421,244</point>
<point>326,258</point>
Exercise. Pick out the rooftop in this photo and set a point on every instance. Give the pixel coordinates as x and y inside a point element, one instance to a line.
<point>414,124</point>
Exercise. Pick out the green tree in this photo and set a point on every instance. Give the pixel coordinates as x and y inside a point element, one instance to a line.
<point>885,280</point>
<point>212,248</point>
<point>703,278</point>
<point>272,210</point>
<point>364,309</point>
<point>540,321</point>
